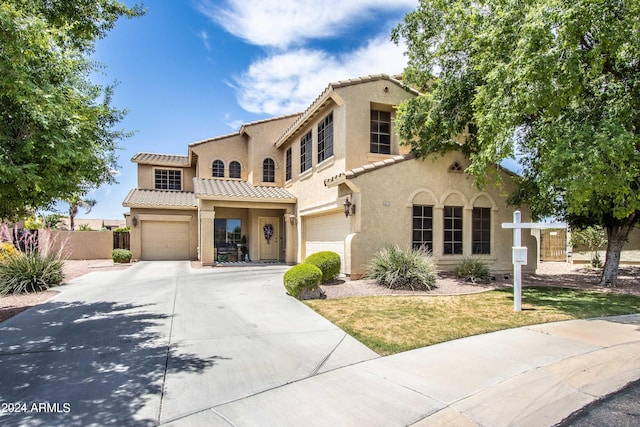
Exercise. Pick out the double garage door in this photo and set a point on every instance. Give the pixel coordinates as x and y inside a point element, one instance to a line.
<point>165,240</point>
<point>326,233</point>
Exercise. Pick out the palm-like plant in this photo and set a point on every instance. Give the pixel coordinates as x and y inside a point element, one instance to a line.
<point>76,202</point>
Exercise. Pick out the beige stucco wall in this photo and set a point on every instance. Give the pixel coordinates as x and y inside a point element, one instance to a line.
<point>135,234</point>
<point>227,149</point>
<point>630,253</point>
<point>146,176</point>
<point>77,244</point>
<point>384,214</point>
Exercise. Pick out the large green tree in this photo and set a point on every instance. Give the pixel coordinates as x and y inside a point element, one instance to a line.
<point>56,127</point>
<point>555,82</point>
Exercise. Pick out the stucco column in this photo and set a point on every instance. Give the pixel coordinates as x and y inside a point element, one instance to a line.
<point>438,230</point>
<point>467,230</point>
<point>207,253</point>
<point>291,233</point>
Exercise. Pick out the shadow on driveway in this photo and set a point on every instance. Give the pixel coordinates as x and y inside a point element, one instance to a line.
<point>61,360</point>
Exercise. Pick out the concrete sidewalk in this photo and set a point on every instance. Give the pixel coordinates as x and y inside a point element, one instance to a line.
<point>532,376</point>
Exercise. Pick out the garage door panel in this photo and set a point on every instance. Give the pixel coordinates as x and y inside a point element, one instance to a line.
<point>165,240</point>
<point>327,233</point>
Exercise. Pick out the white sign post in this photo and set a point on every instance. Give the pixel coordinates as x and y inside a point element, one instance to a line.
<point>519,252</point>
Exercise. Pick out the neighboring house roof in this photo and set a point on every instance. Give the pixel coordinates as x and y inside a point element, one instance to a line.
<point>160,199</point>
<point>234,190</point>
<point>322,99</point>
<point>160,159</point>
<point>330,182</point>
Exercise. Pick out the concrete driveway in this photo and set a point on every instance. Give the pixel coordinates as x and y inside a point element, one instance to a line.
<point>161,343</point>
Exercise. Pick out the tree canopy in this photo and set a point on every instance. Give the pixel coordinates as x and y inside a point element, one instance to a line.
<point>56,127</point>
<point>555,82</point>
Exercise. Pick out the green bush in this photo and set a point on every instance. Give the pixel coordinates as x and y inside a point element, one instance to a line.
<point>398,268</point>
<point>301,278</point>
<point>30,272</point>
<point>474,270</point>
<point>122,229</point>
<point>121,255</point>
<point>328,262</point>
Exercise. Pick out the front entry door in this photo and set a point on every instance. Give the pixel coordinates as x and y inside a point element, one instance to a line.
<point>269,249</point>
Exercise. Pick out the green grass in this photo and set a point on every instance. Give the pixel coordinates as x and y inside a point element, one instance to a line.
<point>393,324</point>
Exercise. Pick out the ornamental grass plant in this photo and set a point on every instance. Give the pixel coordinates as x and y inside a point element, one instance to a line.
<point>30,272</point>
<point>403,268</point>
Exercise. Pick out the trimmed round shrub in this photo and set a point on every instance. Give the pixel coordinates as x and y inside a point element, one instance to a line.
<point>398,268</point>
<point>473,270</point>
<point>328,262</point>
<point>302,279</point>
<point>7,250</point>
<point>30,272</point>
<point>121,255</point>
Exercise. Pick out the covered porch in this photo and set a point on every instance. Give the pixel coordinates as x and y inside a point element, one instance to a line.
<point>239,222</point>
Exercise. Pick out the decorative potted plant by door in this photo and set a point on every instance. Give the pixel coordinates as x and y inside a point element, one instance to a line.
<point>268,232</point>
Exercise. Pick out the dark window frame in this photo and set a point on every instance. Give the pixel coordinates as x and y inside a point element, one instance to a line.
<point>380,131</point>
<point>453,230</point>
<point>325,138</point>
<point>422,227</point>
<point>217,169</point>
<point>268,170</point>
<point>167,179</point>
<point>235,170</point>
<point>481,231</point>
<point>288,164</point>
<point>306,147</point>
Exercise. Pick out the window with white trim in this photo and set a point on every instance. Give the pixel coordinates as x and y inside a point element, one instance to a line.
<point>268,170</point>
<point>452,230</point>
<point>325,138</point>
<point>288,164</point>
<point>217,169</point>
<point>481,231</point>
<point>305,152</point>
<point>235,170</point>
<point>380,132</point>
<point>422,227</point>
<point>168,179</point>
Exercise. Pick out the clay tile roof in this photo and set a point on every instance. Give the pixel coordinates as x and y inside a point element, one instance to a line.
<point>227,189</point>
<point>160,199</point>
<point>161,159</point>
<point>367,168</point>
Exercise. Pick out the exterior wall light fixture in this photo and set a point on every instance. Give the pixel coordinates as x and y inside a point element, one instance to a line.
<point>134,221</point>
<point>293,220</point>
<point>349,208</point>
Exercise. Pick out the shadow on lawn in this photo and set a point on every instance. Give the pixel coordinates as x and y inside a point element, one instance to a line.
<point>578,303</point>
<point>94,364</point>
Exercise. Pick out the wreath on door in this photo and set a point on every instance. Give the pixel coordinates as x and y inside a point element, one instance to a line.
<point>268,232</point>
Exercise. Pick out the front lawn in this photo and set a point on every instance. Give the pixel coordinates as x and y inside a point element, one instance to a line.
<point>392,324</point>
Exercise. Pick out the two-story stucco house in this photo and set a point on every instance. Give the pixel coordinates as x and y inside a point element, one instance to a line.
<point>279,188</point>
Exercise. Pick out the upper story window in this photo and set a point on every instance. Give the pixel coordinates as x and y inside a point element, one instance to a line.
<point>235,170</point>
<point>380,132</point>
<point>217,169</point>
<point>268,170</point>
<point>168,179</point>
<point>325,138</point>
<point>305,152</point>
<point>288,163</point>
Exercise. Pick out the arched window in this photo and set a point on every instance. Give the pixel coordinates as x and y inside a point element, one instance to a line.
<point>268,171</point>
<point>234,170</point>
<point>217,169</point>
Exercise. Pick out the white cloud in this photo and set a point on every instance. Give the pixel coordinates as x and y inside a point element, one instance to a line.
<point>288,82</point>
<point>284,23</point>
<point>204,36</point>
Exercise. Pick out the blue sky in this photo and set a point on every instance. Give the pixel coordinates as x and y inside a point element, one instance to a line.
<point>196,69</point>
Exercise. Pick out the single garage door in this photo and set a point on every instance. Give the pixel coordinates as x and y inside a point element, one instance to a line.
<point>326,233</point>
<point>165,240</point>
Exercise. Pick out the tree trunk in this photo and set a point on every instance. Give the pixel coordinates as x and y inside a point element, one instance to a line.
<point>73,211</point>
<point>616,238</point>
